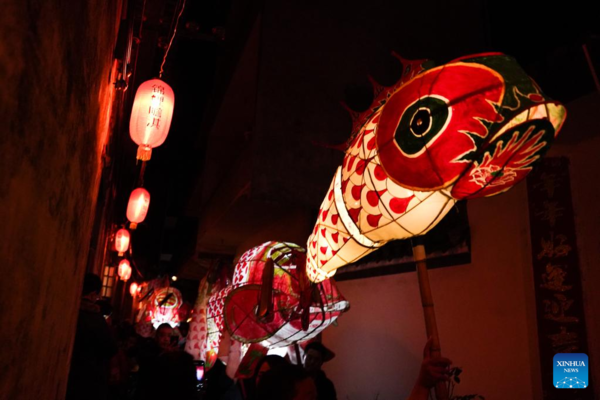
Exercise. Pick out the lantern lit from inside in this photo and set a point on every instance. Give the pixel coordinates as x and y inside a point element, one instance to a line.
<point>137,208</point>
<point>164,306</point>
<point>124,270</point>
<point>300,311</point>
<point>133,289</point>
<point>122,238</point>
<point>151,116</point>
<point>472,128</point>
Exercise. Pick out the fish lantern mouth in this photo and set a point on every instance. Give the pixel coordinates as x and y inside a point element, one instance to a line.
<point>511,152</point>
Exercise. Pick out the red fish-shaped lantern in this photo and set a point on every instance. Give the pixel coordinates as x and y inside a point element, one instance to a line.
<point>471,128</point>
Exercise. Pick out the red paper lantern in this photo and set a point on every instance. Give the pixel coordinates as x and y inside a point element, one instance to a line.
<point>151,116</point>
<point>124,270</point>
<point>137,208</point>
<point>122,238</point>
<point>133,289</point>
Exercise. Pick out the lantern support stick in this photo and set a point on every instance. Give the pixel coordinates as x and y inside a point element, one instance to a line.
<point>265,307</point>
<point>298,358</point>
<point>418,247</point>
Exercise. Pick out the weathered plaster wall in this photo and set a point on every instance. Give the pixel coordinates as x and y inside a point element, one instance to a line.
<point>55,65</point>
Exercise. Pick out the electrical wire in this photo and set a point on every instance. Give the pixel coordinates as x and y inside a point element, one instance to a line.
<point>171,41</point>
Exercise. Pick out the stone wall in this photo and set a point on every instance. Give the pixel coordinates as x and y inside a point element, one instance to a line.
<point>55,67</point>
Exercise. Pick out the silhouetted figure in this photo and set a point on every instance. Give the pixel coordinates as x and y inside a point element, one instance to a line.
<point>286,382</point>
<point>245,389</point>
<point>315,355</point>
<point>122,363</point>
<point>165,372</point>
<point>217,382</point>
<point>93,348</point>
<point>176,377</point>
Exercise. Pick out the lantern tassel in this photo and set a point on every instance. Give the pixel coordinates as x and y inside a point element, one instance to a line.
<point>132,225</point>
<point>144,153</point>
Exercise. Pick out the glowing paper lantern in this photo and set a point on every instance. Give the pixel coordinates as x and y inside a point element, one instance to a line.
<point>164,306</point>
<point>122,238</point>
<point>137,208</point>
<point>124,270</point>
<point>236,307</point>
<point>133,289</point>
<point>151,116</point>
<point>471,128</point>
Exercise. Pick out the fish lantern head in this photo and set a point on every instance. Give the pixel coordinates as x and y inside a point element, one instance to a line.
<point>471,128</point>
<point>475,127</point>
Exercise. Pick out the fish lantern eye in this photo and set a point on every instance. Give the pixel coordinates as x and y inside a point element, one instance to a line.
<point>420,125</point>
<point>421,122</point>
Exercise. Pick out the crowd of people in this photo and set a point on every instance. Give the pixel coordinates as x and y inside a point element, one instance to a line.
<point>112,362</point>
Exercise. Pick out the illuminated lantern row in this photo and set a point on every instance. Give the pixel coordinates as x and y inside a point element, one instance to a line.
<point>124,270</point>
<point>137,208</point>
<point>151,116</point>
<point>122,239</point>
<point>133,289</point>
<point>471,128</point>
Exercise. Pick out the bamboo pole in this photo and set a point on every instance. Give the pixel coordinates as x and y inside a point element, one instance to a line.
<point>441,390</point>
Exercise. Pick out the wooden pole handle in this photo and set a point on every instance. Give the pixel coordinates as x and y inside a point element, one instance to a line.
<point>441,390</point>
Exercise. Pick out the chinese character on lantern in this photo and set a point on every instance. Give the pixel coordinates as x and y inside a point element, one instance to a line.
<point>151,116</point>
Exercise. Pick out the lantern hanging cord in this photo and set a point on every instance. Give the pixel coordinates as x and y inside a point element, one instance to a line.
<point>171,41</point>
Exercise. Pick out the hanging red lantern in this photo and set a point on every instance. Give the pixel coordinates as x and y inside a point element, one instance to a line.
<point>137,208</point>
<point>122,238</point>
<point>124,270</point>
<point>133,289</point>
<point>151,116</point>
